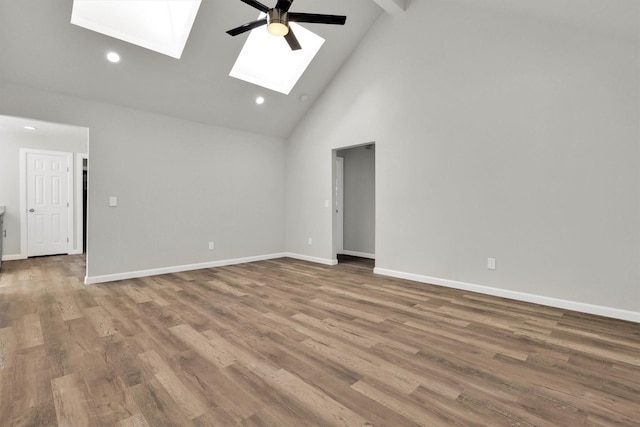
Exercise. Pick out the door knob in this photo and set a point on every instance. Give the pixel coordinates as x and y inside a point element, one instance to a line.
<point>32,210</point>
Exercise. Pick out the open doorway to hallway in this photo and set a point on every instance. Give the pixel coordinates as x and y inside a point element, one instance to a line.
<point>354,201</point>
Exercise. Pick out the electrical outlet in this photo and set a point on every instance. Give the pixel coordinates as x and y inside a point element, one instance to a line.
<point>113,201</point>
<point>491,263</point>
<point>310,241</point>
<point>211,246</point>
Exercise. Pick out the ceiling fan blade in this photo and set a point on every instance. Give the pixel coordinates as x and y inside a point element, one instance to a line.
<point>257,5</point>
<point>292,40</point>
<point>284,5</point>
<point>317,18</point>
<point>247,27</point>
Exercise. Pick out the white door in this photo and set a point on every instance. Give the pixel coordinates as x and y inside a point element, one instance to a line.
<point>339,205</point>
<point>47,204</point>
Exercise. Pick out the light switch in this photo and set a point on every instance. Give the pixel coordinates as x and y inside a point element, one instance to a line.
<point>326,203</point>
<point>113,201</point>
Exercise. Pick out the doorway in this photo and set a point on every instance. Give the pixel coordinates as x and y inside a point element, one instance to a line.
<point>23,138</point>
<point>354,201</point>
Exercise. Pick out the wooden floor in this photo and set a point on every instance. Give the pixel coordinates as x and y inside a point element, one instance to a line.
<point>289,343</point>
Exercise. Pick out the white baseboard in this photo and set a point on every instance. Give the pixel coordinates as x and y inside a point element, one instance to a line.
<point>358,254</point>
<point>91,280</point>
<point>615,313</point>
<point>76,252</point>
<point>15,257</point>
<point>324,261</point>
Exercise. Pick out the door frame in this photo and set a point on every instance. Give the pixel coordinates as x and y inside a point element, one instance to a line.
<point>339,205</point>
<point>79,213</point>
<point>334,214</point>
<point>23,198</point>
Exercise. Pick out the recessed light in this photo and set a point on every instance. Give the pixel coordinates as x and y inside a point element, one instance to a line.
<point>259,100</point>
<point>113,57</point>
<point>30,128</point>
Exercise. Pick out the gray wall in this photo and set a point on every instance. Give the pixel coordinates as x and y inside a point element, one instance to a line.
<point>179,185</point>
<point>50,137</point>
<point>359,199</point>
<point>496,136</point>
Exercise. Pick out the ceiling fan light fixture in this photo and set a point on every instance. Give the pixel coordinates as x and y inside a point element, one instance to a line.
<point>278,22</point>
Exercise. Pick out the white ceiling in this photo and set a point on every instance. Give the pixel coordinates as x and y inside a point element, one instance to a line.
<point>15,126</point>
<point>620,18</point>
<point>40,48</point>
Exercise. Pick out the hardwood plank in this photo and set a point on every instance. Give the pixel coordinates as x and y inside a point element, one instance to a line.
<point>216,354</point>
<point>413,412</point>
<point>69,310</point>
<point>157,406</point>
<point>227,288</point>
<point>190,403</point>
<point>70,399</point>
<point>154,296</point>
<point>101,321</point>
<point>324,406</point>
<point>30,331</point>
<point>225,397</point>
<point>32,380</point>
<point>332,329</point>
<point>8,345</point>
<point>105,389</point>
<point>136,420</point>
<point>137,296</point>
<point>354,312</point>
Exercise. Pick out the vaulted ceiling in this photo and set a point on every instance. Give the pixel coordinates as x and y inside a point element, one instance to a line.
<point>39,47</point>
<point>42,49</point>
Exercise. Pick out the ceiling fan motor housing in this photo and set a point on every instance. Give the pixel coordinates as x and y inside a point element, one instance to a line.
<point>278,22</point>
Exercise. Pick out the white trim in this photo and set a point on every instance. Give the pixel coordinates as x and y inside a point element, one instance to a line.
<point>338,204</point>
<point>316,260</point>
<point>77,247</point>
<point>90,280</point>
<point>358,254</point>
<point>15,257</point>
<point>71,208</point>
<point>23,203</point>
<point>23,197</point>
<point>615,313</point>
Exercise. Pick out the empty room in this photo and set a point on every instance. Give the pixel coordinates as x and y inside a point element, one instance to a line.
<point>320,213</point>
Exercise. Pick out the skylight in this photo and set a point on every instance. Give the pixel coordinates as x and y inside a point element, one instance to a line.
<point>267,60</point>
<point>159,25</point>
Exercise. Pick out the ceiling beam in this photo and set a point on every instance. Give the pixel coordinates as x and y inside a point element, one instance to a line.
<point>392,7</point>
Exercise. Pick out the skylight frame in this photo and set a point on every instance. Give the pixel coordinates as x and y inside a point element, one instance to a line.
<point>268,61</point>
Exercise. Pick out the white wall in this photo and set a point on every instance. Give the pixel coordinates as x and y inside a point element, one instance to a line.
<point>359,212</point>
<point>179,185</point>
<point>496,136</point>
<point>48,137</point>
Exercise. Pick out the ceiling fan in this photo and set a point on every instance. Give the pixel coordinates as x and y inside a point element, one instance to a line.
<point>278,18</point>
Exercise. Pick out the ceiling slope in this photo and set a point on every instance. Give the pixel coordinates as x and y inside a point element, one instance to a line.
<point>42,49</point>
